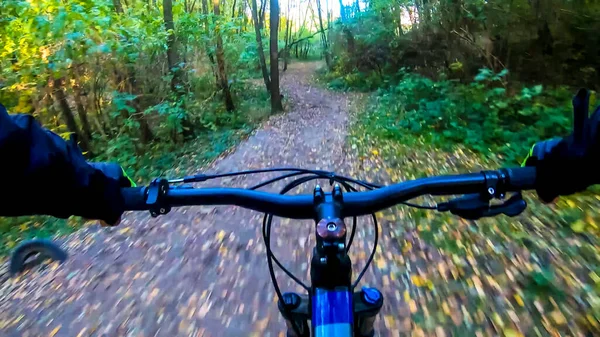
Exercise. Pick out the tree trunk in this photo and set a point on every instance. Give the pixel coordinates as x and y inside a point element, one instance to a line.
<point>286,51</point>
<point>172,60</point>
<point>81,110</point>
<point>323,37</point>
<point>118,7</point>
<point>260,49</point>
<point>399,17</point>
<point>223,82</point>
<point>146,135</point>
<point>67,114</point>
<point>85,123</point>
<point>233,9</point>
<point>276,105</point>
<point>261,14</point>
<point>209,52</point>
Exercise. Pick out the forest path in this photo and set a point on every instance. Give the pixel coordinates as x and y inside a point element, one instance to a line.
<point>202,271</point>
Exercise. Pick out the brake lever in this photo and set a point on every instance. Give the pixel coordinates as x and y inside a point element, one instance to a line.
<point>476,206</point>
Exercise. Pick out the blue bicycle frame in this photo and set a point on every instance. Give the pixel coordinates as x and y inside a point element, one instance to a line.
<point>332,313</point>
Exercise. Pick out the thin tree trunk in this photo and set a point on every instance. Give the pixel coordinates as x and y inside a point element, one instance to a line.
<point>286,51</point>
<point>261,14</point>
<point>172,59</point>
<point>82,113</point>
<point>260,49</point>
<point>241,15</point>
<point>209,52</point>
<point>118,7</point>
<point>223,82</point>
<point>67,114</point>
<point>323,36</point>
<point>146,134</point>
<point>276,105</point>
<point>233,9</point>
<point>399,17</point>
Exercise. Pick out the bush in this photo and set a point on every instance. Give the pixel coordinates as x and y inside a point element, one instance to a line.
<point>484,115</point>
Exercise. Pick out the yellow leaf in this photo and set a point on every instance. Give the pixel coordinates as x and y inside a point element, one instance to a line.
<point>446,308</point>
<point>498,320</point>
<point>519,300</point>
<point>389,321</point>
<point>413,306</point>
<point>381,264</point>
<point>375,152</point>
<point>558,318</point>
<point>571,204</point>
<point>23,227</point>
<point>595,277</point>
<point>421,281</point>
<point>53,332</point>
<point>124,230</point>
<point>578,226</point>
<point>591,222</point>
<point>512,333</point>
<point>221,235</point>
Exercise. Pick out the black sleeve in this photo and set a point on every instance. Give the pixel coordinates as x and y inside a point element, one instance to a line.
<point>43,174</point>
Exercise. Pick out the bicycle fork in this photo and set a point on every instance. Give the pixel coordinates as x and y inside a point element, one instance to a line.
<point>365,305</point>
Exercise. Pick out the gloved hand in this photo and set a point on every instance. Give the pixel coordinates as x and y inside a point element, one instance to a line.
<point>116,174</point>
<point>567,165</point>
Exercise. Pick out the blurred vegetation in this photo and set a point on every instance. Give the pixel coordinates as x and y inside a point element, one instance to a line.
<point>458,86</point>
<point>161,87</point>
<point>496,76</point>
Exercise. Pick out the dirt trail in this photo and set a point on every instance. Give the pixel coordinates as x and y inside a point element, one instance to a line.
<point>202,271</point>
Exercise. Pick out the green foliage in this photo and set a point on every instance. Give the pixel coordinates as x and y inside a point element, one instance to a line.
<point>481,115</point>
<point>112,66</point>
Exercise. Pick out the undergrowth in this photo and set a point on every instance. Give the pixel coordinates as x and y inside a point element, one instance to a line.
<point>486,115</point>
<point>222,131</point>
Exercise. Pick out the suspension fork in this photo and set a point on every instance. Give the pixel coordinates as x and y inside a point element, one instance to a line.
<point>333,308</point>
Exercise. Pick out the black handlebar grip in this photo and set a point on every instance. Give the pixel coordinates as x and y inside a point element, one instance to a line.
<point>134,198</point>
<point>521,178</point>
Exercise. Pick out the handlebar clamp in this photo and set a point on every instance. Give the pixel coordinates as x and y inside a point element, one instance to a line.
<point>157,197</point>
<point>494,184</point>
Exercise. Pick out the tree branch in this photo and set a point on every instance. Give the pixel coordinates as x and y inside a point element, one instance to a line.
<point>305,38</point>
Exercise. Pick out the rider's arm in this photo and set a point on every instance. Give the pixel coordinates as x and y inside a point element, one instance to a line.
<point>568,165</point>
<point>43,174</point>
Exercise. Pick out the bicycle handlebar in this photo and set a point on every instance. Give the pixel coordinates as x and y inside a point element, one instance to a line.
<point>354,204</point>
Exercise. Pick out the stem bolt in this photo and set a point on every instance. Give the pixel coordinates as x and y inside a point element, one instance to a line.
<point>331,227</point>
<point>491,191</point>
<point>323,260</point>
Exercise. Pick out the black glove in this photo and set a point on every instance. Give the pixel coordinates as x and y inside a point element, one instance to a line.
<point>567,165</point>
<point>116,176</point>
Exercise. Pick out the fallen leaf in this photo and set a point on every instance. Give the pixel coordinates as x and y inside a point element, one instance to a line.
<point>512,333</point>
<point>54,331</point>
